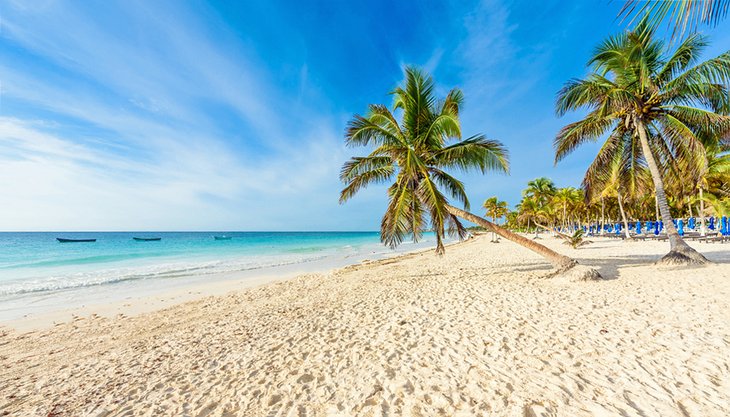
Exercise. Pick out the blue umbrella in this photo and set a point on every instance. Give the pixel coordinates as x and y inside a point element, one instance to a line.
<point>649,226</point>
<point>638,228</point>
<point>656,228</point>
<point>680,227</point>
<point>711,226</point>
<point>661,225</point>
<point>725,227</point>
<point>675,222</point>
<point>691,223</point>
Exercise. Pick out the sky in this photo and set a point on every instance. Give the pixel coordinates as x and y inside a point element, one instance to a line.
<point>170,115</point>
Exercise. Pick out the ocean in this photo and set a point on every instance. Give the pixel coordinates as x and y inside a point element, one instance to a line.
<point>39,273</point>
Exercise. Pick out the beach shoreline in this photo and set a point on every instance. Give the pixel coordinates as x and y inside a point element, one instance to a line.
<point>478,331</point>
<point>191,288</point>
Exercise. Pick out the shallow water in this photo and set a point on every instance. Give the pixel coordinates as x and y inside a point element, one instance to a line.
<point>37,270</point>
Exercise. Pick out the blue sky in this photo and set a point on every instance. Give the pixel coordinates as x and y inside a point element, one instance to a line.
<point>169,115</point>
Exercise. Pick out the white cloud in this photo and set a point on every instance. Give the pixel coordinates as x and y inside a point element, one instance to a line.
<point>50,183</point>
<point>129,143</point>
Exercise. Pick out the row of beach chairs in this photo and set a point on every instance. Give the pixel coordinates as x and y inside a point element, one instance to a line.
<point>709,238</point>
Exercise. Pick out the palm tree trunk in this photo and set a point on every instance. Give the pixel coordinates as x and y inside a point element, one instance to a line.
<point>561,262</point>
<point>690,207</point>
<point>623,216</point>
<point>656,208</point>
<point>702,214</point>
<point>680,252</point>
<point>603,218</point>
<point>494,235</point>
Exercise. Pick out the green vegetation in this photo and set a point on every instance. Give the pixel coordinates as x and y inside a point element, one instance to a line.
<point>413,155</point>
<point>576,240</point>
<point>495,209</point>
<point>661,113</point>
<point>658,107</point>
<point>683,15</point>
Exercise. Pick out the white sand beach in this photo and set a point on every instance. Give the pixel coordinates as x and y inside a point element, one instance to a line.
<point>478,331</point>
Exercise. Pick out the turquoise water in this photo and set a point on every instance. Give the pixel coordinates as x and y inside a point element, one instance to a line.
<point>35,263</point>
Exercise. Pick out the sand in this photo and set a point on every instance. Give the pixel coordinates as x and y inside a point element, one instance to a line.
<point>479,331</point>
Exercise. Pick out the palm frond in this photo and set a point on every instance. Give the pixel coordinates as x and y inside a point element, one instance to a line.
<point>474,152</point>
<point>580,132</point>
<point>683,15</point>
<point>358,165</point>
<point>398,220</point>
<point>435,202</point>
<point>712,71</point>
<point>453,186</point>
<point>583,93</point>
<point>363,132</point>
<point>376,175</point>
<point>686,54</point>
<point>705,123</point>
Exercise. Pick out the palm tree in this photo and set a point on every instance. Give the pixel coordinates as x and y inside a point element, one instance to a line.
<point>619,171</point>
<point>685,15</point>
<point>532,212</point>
<point>660,102</point>
<point>495,209</point>
<point>414,154</point>
<point>713,179</point>
<point>541,189</point>
<point>511,220</point>
<point>565,198</point>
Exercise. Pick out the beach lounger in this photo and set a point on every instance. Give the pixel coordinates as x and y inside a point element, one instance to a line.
<point>712,239</point>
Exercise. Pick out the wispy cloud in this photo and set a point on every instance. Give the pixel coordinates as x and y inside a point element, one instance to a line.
<point>171,115</point>
<point>506,64</point>
<point>132,135</point>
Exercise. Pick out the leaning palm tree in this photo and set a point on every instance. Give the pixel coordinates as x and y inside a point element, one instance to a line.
<point>663,103</point>
<point>684,15</point>
<point>495,209</point>
<point>414,154</point>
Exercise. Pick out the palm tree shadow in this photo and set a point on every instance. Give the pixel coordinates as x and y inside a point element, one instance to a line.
<point>609,268</point>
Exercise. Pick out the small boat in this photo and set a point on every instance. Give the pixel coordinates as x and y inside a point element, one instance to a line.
<point>222,237</point>
<point>147,239</point>
<point>62,240</point>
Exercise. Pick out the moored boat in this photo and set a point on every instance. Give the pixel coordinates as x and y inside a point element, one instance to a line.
<point>62,240</point>
<point>222,237</point>
<point>147,239</point>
